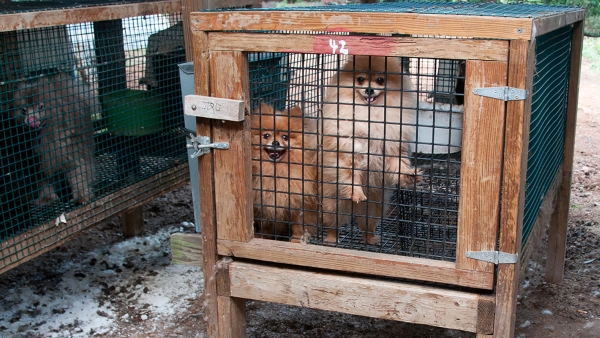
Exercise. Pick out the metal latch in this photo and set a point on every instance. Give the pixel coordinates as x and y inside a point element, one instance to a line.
<point>202,145</point>
<point>495,257</point>
<point>502,93</point>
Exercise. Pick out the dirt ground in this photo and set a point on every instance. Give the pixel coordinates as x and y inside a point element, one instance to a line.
<point>570,309</point>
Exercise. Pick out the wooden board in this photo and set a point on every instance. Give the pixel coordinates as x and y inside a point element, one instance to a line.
<point>206,187</point>
<point>481,164</point>
<point>358,296</point>
<point>521,67</point>
<point>214,108</point>
<point>186,249</point>
<point>314,256</point>
<point>232,167</point>
<point>36,19</point>
<point>557,234</point>
<point>492,50</point>
<point>365,22</point>
<point>132,222</point>
<point>47,236</point>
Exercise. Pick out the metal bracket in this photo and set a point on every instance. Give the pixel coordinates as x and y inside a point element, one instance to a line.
<point>202,145</point>
<point>495,257</point>
<point>502,93</point>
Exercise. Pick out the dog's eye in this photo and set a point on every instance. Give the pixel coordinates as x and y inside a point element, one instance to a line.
<point>360,80</point>
<point>285,137</point>
<point>40,107</point>
<point>380,81</point>
<point>24,110</point>
<point>266,135</point>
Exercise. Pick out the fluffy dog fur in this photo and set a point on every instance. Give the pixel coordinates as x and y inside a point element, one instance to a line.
<point>366,142</point>
<point>57,106</point>
<point>284,173</point>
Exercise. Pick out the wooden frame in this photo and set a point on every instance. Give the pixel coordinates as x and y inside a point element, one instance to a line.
<point>495,146</point>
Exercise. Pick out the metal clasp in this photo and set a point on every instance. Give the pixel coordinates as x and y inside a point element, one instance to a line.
<point>502,93</point>
<point>495,257</point>
<point>202,145</point>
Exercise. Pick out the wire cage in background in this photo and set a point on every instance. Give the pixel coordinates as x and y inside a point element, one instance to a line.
<point>385,162</point>
<point>92,121</point>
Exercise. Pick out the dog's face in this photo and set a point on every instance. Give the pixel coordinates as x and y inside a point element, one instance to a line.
<point>31,115</point>
<point>370,77</point>
<point>275,134</point>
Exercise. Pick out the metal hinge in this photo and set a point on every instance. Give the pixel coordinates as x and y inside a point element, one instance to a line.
<point>502,93</point>
<point>495,257</point>
<point>202,145</point>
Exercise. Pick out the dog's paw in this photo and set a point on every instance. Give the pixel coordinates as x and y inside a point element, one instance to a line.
<point>372,239</point>
<point>358,195</point>
<point>330,238</point>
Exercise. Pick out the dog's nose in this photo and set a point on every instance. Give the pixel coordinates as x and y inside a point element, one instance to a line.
<point>275,144</point>
<point>369,91</point>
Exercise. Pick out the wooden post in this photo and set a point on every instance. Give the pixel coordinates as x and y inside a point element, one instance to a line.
<point>520,75</point>
<point>132,222</point>
<point>557,233</point>
<point>207,185</point>
<point>188,6</point>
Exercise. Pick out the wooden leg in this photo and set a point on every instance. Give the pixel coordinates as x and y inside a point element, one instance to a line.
<point>557,233</point>
<point>132,221</point>
<point>231,311</point>
<point>232,317</point>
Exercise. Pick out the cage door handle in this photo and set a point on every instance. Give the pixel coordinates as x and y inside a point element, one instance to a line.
<point>202,145</point>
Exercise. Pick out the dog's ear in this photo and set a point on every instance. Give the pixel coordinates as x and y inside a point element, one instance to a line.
<point>264,109</point>
<point>296,111</point>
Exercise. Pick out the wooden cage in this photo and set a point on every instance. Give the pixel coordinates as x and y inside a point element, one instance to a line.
<point>502,47</point>
<point>88,43</point>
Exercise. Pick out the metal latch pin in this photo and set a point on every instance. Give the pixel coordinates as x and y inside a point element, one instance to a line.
<point>202,145</point>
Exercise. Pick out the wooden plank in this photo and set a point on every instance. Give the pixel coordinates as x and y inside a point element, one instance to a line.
<point>45,237</point>
<point>36,19</point>
<point>214,108</point>
<point>365,22</point>
<point>518,114</point>
<point>492,50</point>
<point>371,263</point>
<point>232,168</point>
<point>358,296</point>
<point>232,317</point>
<point>132,222</point>
<point>486,308</point>
<point>551,23</point>
<point>557,233</point>
<point>186,249</point>
<point>187,7</point>
<point>481,164</point>
<point>232,311</point>
<point>206,187</point>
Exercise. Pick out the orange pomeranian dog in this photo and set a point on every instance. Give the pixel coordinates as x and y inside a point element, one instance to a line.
<point>284,173</point>
<point>368,125</point>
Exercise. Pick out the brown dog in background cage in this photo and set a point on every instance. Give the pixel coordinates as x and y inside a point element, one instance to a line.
<point>368,125</point>
<point>284,173</point>
<point>61,109</point>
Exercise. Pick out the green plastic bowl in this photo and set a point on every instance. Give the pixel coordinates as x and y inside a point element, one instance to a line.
<point>133,112</point>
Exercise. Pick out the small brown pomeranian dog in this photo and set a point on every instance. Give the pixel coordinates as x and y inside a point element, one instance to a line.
<point>284,174</point>
<point>368,125</point>
<point>62,111</point>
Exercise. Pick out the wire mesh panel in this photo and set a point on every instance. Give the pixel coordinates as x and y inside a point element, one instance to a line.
<point>88,110</point>
<point>357,152</point>
<point>548,116</point>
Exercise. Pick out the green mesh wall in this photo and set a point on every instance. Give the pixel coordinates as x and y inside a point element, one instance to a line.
<point>548,114</point>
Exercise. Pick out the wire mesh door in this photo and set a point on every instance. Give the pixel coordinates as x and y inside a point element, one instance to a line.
<point>407,194</point>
